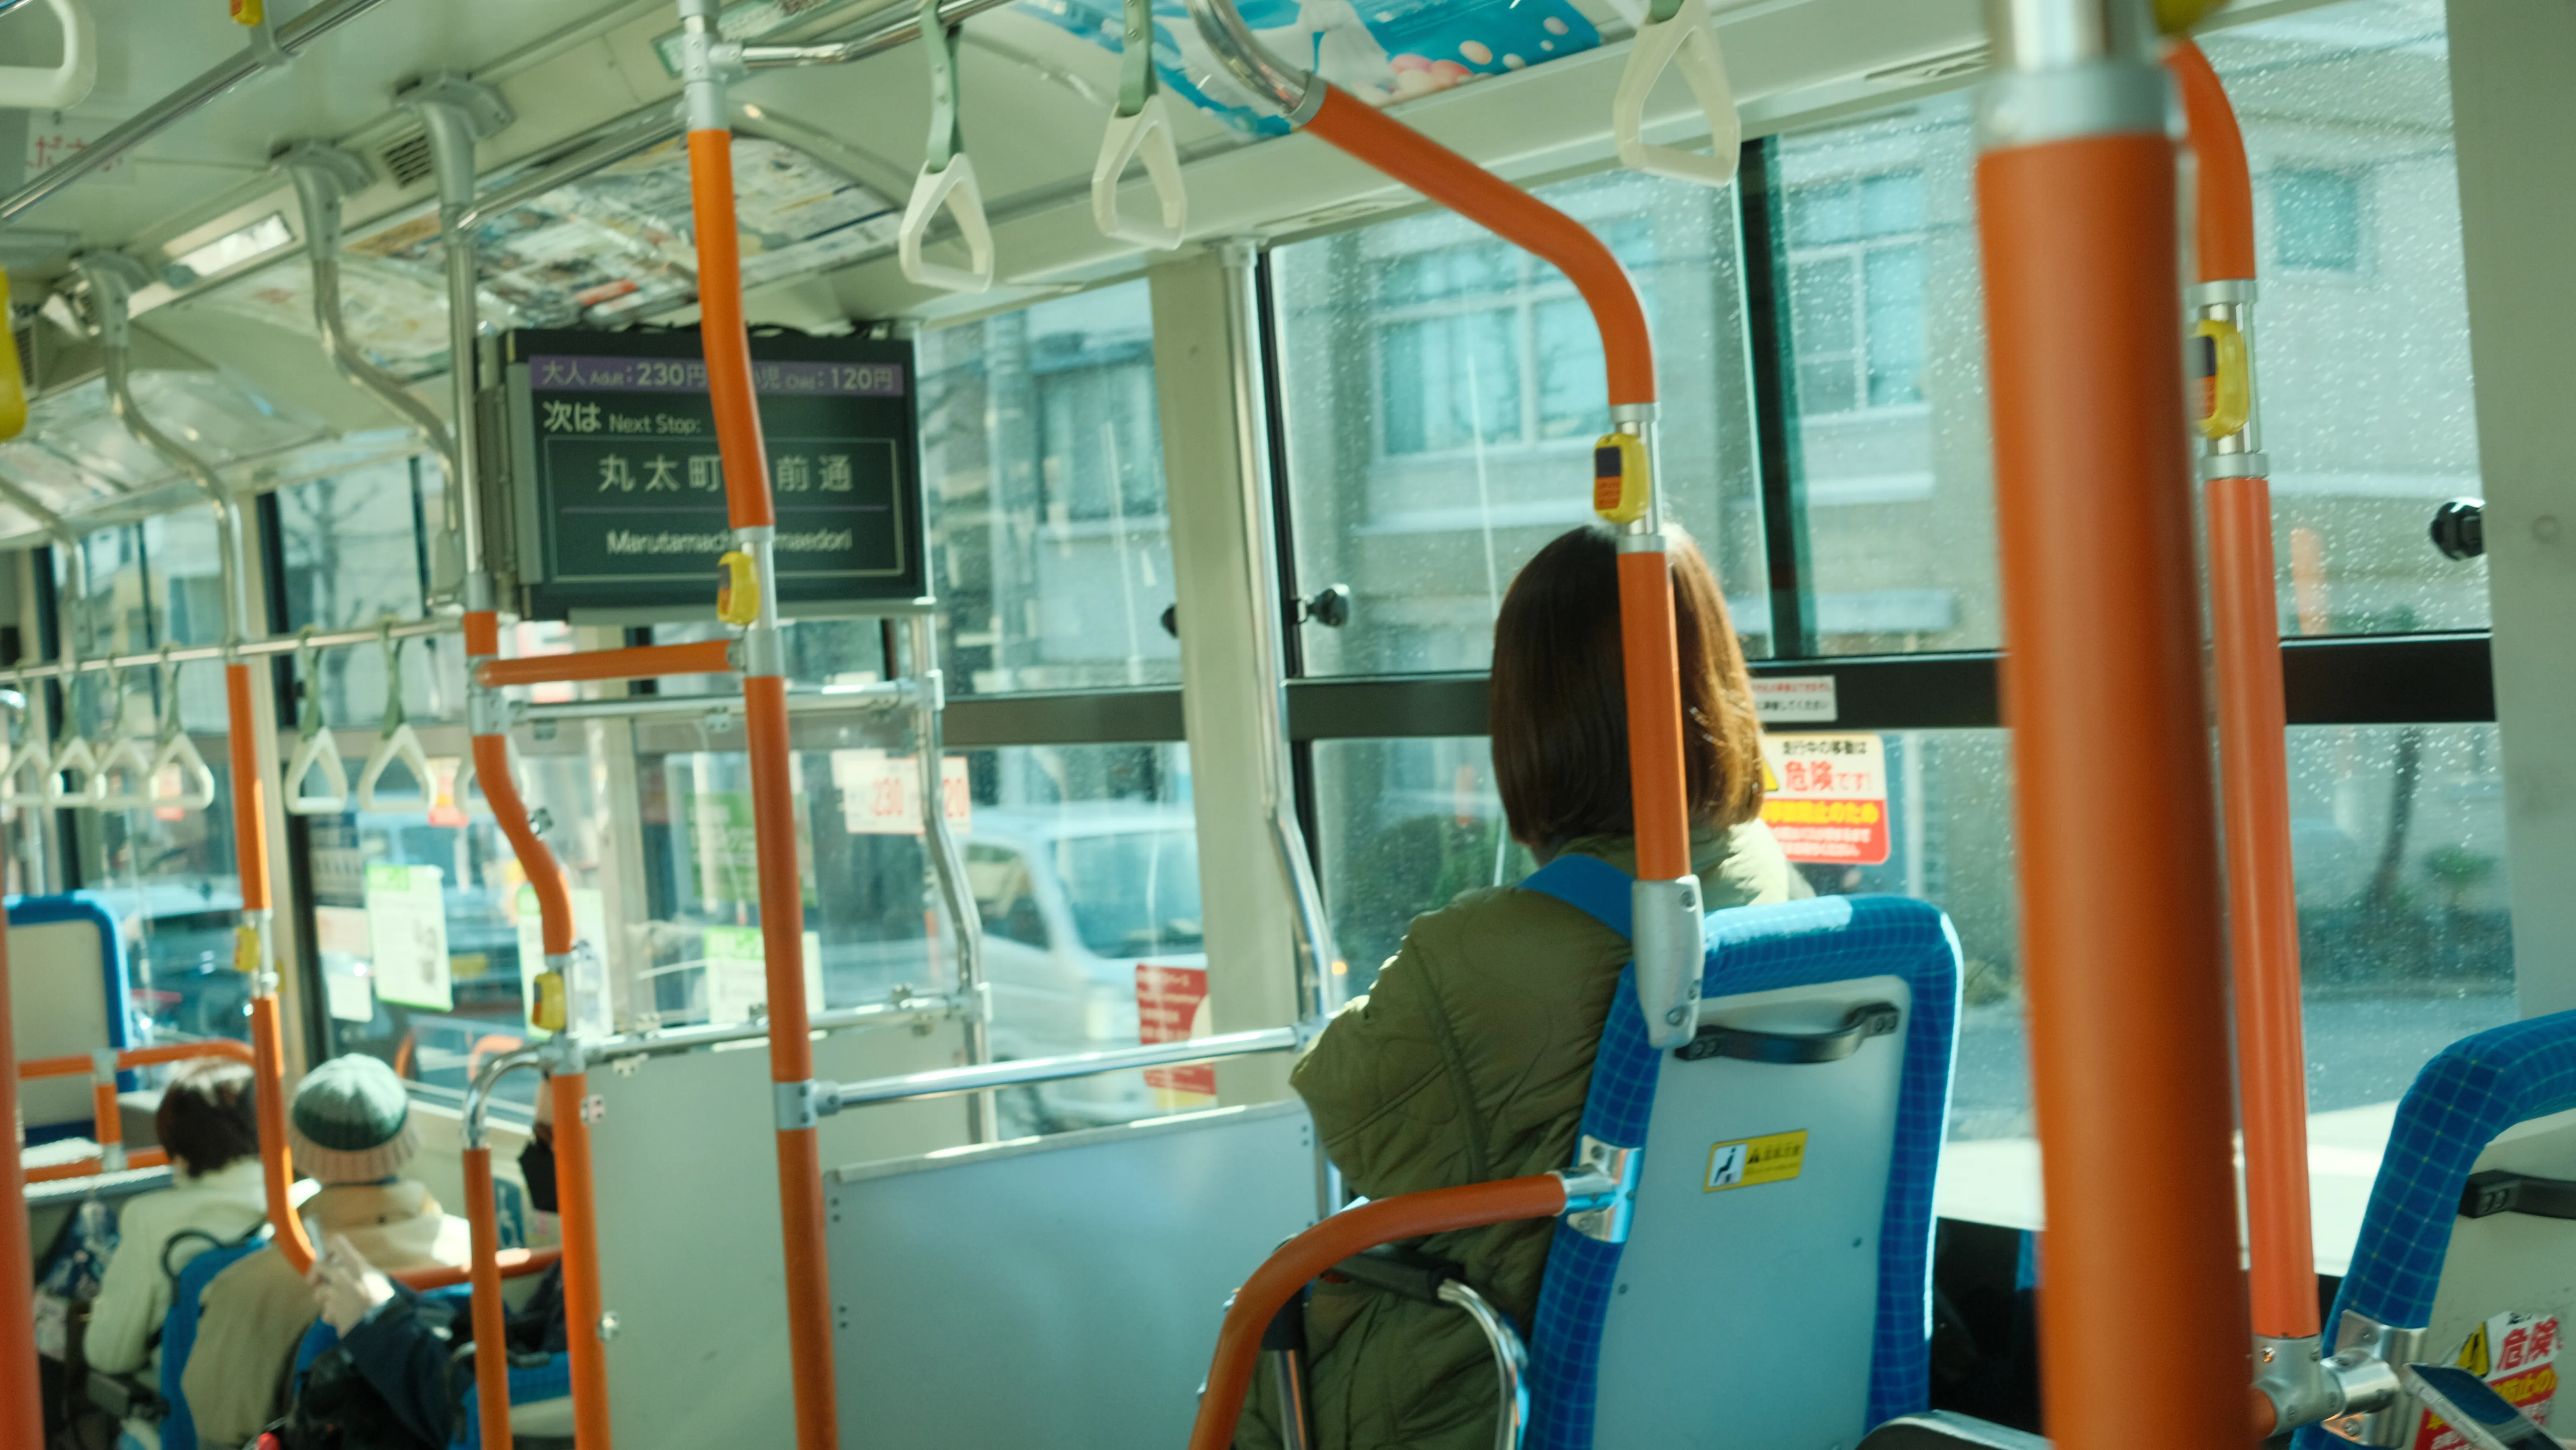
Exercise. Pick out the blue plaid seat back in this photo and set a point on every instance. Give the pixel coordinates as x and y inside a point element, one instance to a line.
<point>1749,1284</point>
<point>1774,1286</point>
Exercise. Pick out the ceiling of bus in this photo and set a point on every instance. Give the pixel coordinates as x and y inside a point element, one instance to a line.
<point>841,145</point>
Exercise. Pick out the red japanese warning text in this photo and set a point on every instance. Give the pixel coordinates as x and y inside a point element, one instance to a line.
<point>2516,1354</point>
<point>1825,797</point>
<point>1170,1002</point>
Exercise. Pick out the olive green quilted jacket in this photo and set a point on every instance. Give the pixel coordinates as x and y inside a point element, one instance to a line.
<point>1466,1062</point>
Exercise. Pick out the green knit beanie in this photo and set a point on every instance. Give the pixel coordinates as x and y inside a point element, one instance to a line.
<point>351,1121</point>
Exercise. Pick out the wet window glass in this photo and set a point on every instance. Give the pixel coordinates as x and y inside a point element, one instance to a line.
<point>1442,393</point>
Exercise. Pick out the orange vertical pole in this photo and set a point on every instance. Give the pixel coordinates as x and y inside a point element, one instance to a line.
<point>22,1420</point>
<point>2103,692</point>
<point>491,1355</point>
<point>2253,752</point>
<point>764,687</point>
<point>267,1036</point>
<point>579,1207</point>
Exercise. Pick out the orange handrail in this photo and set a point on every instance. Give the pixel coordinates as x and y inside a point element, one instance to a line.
<point>22,1419</point>
<point>1511,213</point>
<point>92,1167</point>
<point>79,1063</point>
<point>510,1263</point>
<point>1352,1231</point>
<point>727,347</point>
<point>2253,753</point>
<point>640,662</point>
<point>2103,692</point>
<point>2223,203</point>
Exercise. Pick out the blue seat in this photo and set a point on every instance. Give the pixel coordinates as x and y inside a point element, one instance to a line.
<point>2468,1095</point>
<point>528,1383</point>
<point>1780,1227</point>
<point>179,1334</point>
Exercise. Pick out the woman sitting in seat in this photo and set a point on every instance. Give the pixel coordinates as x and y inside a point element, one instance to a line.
<point>208,1122</point>
<point>1469,1058</point>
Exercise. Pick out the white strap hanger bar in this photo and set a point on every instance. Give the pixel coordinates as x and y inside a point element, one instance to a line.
<point>177,751</point>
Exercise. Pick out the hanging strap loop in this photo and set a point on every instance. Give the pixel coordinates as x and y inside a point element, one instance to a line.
<point>396,742</point>
<point>1677,33</point>
<point>1140,129</point>
<point>176,750</point>
<point>120,754</point>
<point>947,179</point>
<point>315,747</point>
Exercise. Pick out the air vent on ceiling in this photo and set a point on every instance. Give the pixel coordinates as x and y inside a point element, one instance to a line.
<point>408,159</point>
<point>1931,67</point>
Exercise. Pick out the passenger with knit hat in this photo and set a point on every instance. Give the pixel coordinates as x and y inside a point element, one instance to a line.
<point>351,1129</point>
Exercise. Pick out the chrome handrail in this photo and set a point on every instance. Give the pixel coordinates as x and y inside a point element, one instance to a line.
<point>950,1081</point>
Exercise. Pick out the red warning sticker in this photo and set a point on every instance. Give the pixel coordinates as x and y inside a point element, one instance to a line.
<point>2516,1354</point>
<point>1825,797</point>
<point>1171,1006</point>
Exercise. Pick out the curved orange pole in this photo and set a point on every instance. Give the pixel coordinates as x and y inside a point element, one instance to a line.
<point>89,1167</point>
<point>22,1419</point>
<point>1652,665</point>
<point>2223,221</point>
<point>782,898</point>
<point>1512,214</point>
<point>2103,692</point>
<point>512,1264</point>
<point>1352,1231</point>
<point>580,1256</point>
<point>641,662</point>
<point>2253,753</point>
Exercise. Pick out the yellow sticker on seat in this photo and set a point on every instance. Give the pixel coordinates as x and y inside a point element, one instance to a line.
<point>1772,1158</point>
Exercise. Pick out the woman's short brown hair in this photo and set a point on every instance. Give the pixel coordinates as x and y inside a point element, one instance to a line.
<point>1559,705</point>
<point>209,1115</point>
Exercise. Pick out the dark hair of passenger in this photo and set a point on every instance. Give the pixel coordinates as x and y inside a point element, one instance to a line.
<point>209,1116</point>
<point>1559,706</point>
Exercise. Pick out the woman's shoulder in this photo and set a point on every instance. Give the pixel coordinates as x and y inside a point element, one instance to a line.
<point>1750,869</point>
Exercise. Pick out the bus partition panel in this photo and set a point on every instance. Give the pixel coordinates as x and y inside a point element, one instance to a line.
<point>1087,1271</point>
<point>689,1232</point>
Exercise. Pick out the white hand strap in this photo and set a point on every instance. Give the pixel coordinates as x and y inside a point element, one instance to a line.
<point>36,88</point>
<point>318,751</point>
<point>398,744</point>
<point>75,758</point>
<point>125,756</point>
<point>953,187</point>
<point>1145,136</point>
<point>196,790</point>
<point>29,769</point>
<point>462,791</point>
<point>1687,39</point>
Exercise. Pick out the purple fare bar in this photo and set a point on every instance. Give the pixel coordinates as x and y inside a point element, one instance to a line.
<point>557,373</point>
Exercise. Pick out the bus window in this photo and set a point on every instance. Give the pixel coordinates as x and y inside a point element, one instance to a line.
<point>1425,475</point>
